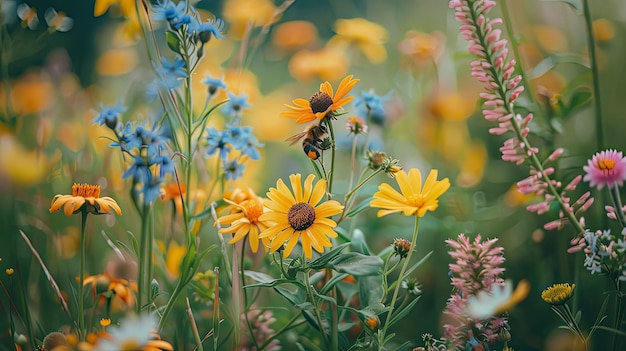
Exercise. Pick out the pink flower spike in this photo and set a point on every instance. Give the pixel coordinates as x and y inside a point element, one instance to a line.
<point>556,154</point>
<point>606,167</point>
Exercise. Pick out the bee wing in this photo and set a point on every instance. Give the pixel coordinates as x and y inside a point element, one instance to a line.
<point>295,138</point>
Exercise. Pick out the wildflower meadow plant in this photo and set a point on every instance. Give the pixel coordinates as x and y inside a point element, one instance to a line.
<point>273,198</point>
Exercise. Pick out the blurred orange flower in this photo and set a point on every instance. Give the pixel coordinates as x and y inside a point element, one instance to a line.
<point>105,282</point>
<point>127,7</point>
<point>325,63</point>
<point>420,47</point>
<point>550,39</point>
<point>368,36</point>
<point>451,106</point>
<point>603,30</point>
<point>32,93</point>
<point>84,197</point>
<point>294,35</point>
<point>116,62</point>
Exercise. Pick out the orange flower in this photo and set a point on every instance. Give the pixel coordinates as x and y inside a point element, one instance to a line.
<point>326,63</point>
<point>368,36</point>
<point>245,222</point>
<point>294,35</point>
<point>323,104</point>
<point>84,197</point>
<point>105,282</point>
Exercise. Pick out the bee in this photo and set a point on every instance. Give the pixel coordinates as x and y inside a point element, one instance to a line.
<point>315,139</point>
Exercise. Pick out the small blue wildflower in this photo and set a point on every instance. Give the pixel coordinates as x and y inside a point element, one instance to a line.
<point>166,166</point>
<point>233,170</point>
<point>217,141</point>
<point>250,145</point>
<point>235,104</point>
<point>151,190</point>
<point>235,136</point>
<point>139,170</point>
<point>109,115</point>
<point>165,10</point>
<point>153,140</point>
<point>174,68</point>
<point>371,107</point>
<point>206,30</point>
<point>214,84</point>
<point>123,138</point>
<point>152,90</point>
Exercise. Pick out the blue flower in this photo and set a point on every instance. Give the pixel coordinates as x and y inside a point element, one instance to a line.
<point>174,68</point>
<point>123,138</point>
<point>250,145</point>
<point>109,115</point>
<point>211,28</point>
<point>235,136</point>
<point>167,10</point>
<point>235,104</point>
<point>166,166</point>
<point>214,84</point>
<point>233,170</point>
<point>372,107</point>
<point>217,141</point>
<point>153,140</point>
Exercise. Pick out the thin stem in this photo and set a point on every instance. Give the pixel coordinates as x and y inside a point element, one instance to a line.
<point>397,288</point>
<point>617,202</point>
<point>591,46</point>
<point>170,304</point>
<point>194,327</point>
<point>618,317</point>
<point>316,311</point>
<point>81,307</point>
<point>332,160</point>
<point>352,159</point>
<point>145,259</point>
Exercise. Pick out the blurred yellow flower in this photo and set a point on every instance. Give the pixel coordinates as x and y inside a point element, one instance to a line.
<point>241,13</point>
<point>84,197</point>
<point>298,216</point>
<point>603,30</point>
<point>451,105</point>
<point>22,167</point>
<point>265,117</point>
<point>550,39</point>
<point>325,63</point>
<point>369,37</point>
<point>173,257</point>
<point>127,7</point>
<point>123,290</point>
<point>294,35</point>
<point>67,244</point>
<point>513,197</point>
<point>116,62</point>
<point>413,199</point>
<point>472,165</point>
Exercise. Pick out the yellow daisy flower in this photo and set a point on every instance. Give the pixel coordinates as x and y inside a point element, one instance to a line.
<point>413,199</point>
<point>84,197</point>
<point>245,221</point>
<point>322,104</point>
<point>299,216</point>
<point>558,294</point>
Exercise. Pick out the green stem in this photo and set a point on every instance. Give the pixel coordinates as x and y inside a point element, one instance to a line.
<point>145,259</point>
<point>332,159</point>
<point>280,331</point>
<point>618,317</point>
<point>397,288</point>
<point>245,295</point>
<point>316,311</point>
<point>617,203</point>
<point>170,304</point>
<point>81,307</point>
<point>591,46</point>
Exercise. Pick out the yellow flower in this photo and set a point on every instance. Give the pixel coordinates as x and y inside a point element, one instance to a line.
<point>322,104</point>
<point>299,216</point>
<point>117,61</point>
<point>245,221</point>
<point>603,30</point>
<point>326,63</point>
<point>243,13</point>
<point>413,199</point>
<point>127,7</point>
<point>368,36</point>
<point>558,294</point>
<point>24,167</point>
<point>84,197</point>
<point>9,271</point>
<point>420,47</point>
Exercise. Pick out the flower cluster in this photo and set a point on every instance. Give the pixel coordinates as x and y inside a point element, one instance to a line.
<point>477,267</point>
<point>604,252</point>
<point>234,145</point>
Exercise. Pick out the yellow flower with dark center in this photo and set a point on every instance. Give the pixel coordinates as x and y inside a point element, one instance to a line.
<point>322,104</point>
<point>84,197</point>
<point>246,221</point>
<point>558,294</point>
<point>413,199</point>
<point>299,216</point>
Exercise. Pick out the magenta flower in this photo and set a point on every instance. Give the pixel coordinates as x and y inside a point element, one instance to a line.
<point>606,168</point>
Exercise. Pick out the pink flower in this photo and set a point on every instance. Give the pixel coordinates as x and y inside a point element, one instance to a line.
<point>606,168</point>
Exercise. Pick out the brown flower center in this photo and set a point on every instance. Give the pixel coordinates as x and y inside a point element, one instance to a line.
<point>320,102</point>
<point>301,216</point>
<point>86,190</point>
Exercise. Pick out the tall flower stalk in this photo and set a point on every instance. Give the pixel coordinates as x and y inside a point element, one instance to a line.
<point>502,88</point>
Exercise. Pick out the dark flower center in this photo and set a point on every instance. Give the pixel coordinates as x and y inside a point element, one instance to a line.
<point>301,216</point>
<point>320,102</point>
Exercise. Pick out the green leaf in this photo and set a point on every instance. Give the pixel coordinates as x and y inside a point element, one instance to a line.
<point>172,41</point>
<point>580,98</point>
<point>322,261</point>
<point>551,61</point>
<point>403,312</point>
<point>356,264</point>
<point>259,277</point>
<point>358,242</point>
<point>371,290</point>
<point>612,330</point>
<point>363,205</point>
<point>329,285</point>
